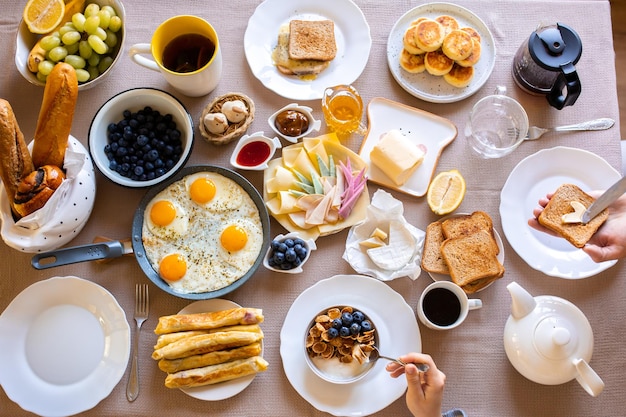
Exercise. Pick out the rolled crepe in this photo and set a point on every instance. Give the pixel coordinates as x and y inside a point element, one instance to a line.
<point>166,339</point>
<point>211,358</point>
<point>205,343</point>
<point>210,320</point>
<point>216,373</point>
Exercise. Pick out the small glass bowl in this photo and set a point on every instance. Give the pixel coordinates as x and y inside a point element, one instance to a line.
<point>310,246</point>
<point>254,147</point>
<point>314,125</point>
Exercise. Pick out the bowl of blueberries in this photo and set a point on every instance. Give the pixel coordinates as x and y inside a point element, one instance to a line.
<point>288,253</point>
<point>141,137</point>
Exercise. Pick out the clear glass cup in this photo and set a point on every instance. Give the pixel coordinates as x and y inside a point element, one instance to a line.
<point>343,108</point>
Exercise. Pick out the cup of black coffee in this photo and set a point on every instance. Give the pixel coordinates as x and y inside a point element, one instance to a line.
<point>186,50</point>
<point>444,305</point>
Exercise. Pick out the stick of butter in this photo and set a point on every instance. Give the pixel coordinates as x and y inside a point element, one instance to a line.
<point>396,156</point>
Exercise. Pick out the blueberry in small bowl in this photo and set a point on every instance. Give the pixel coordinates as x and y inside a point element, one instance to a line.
<point>288,253</point>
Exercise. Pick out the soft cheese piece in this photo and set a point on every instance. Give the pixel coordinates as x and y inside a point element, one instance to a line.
<point>396,156</point>
<point>398,252</point>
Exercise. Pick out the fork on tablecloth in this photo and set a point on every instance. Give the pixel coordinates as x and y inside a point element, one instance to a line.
<point>142,306</point>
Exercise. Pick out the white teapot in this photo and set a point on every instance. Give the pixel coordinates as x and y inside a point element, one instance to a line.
<point>549,340</point>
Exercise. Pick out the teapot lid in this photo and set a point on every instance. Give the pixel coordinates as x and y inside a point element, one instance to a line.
<point>552,47</point>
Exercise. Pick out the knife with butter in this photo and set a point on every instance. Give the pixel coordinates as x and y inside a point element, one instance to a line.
<point>605,200</point>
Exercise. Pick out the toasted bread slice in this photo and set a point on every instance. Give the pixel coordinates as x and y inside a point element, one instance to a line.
<point>577,234</point>
<point>472,258</point>
<point>312,40</point>
<point>432,261</point>
<point>459,76</point>
<point>289,66</point>
<point>466,224</point>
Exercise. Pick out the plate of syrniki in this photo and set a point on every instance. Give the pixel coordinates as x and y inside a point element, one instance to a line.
<point>440,52</point>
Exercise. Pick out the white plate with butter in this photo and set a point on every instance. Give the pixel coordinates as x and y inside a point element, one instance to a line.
<point>420,127</point>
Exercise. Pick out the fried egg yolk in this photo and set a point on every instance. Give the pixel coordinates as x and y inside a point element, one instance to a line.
<point>234,238</point>
<point>173,267</point>
<point>163,213</point>
<point>202,190</point>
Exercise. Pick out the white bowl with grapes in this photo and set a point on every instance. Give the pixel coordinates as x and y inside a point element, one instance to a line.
<point>288,253</point>
<point>91,42</point>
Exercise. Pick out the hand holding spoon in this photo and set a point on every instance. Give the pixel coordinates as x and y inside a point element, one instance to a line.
<point>375,355</point>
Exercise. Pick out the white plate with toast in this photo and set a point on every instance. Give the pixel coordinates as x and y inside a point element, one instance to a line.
<point>65,344</point>
<point>421,127</point>
<point>224,389</point>
<point>352,36</point>
<point>533,178</point>
<point>434,88</point>
<point>398,333</point>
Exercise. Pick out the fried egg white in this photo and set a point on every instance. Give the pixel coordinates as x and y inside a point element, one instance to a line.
<point>240,243</point>
<point>213,191</point>
<point>165,216</point>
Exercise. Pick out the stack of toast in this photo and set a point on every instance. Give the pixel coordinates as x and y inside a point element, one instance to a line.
<point>463,247</point>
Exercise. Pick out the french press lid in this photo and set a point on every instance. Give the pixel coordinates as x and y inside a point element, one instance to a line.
<point>554,47</point>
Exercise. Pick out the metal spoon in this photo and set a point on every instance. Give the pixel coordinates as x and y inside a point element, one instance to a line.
<point>375,355</point>
<point>535,132</point>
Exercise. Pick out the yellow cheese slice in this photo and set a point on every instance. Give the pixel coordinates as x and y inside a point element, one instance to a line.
<point>283,179</point>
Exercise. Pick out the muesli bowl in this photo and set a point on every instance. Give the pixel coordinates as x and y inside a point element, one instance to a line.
<point>338,343</point>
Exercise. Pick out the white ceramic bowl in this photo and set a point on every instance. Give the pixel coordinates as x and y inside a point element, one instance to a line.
<point>314,125</point>
<point>262,146</point>
<point>310,246</point>
<point>134,100</point>
<point>25,40</point>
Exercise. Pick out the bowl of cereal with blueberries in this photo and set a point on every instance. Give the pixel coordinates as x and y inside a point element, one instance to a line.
<point>338,343</point>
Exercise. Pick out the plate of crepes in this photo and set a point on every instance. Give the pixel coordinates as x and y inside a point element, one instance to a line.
<point>440,52</point>
<point>403,145</point>
<point>299,48</point>
<point>397,331</point>
<point>464,249</point>
<point>212,349</point>
<point>317,187</point>
<point>533,178</point>
<point>65,344</point>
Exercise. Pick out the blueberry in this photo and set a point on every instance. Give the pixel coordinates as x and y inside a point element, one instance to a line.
<point>279,258</point>
<point>344,331</point>
<point>346,319</point>
<point>290,255</point>
<point>332,333</point>
<point>355,328</point>
<point>301,251</point>
<point>275,244</point>
<point>282,247</point>
<point>358,317</point>
<point>366,325</point>
<point>337,324</point>
<point>289,243</point>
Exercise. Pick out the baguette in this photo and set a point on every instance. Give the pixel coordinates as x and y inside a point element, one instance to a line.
<point>36,188</point>
<point>55,116</point>
<point>15,160</point>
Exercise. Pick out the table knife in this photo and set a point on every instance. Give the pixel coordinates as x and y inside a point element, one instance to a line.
<point>605,200</point>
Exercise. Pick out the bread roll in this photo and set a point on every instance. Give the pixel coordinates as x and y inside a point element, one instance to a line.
<point>34,191</point>
<point>55,116</point>
<point>15,160</point>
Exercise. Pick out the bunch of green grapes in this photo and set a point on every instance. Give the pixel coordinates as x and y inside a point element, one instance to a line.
<point>86,43</point>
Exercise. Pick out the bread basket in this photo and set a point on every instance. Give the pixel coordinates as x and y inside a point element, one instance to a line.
<point>234,130</point>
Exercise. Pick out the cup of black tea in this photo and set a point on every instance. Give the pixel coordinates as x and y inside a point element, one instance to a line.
<point>186,50</point>
<point>444,305</point>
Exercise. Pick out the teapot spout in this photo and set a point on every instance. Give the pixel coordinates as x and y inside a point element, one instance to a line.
<point>522,303</point>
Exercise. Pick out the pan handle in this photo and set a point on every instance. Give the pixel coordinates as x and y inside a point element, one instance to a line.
<point>89,252</point>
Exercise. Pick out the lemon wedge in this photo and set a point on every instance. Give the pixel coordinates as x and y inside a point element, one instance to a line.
<point>446,192</point>
<point>42,16</point>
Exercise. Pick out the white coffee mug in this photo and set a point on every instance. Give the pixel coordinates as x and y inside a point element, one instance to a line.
<point>444,305</point>
<point>192,79</point>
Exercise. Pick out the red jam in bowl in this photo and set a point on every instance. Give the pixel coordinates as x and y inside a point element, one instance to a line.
<point>253,153</point>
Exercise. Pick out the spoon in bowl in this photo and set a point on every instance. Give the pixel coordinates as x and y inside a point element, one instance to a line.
<point>375,355</point>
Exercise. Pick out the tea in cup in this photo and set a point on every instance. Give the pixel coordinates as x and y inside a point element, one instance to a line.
<point>444,305</point>
<point>343,108</point>
<point>186,50</point>
<point>497,125</point>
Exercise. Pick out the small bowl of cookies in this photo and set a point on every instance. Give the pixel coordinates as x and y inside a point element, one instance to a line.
<point>338,343</point>
<point>226,118</point>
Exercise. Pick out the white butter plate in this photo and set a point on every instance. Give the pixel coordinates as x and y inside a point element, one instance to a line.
<point>225,389</point>
<point>87,346</point>
<point>533,178</point>
<point>397,331</point>
<point>352,35</point>
<point>420,126</point>
<point>429,87</point>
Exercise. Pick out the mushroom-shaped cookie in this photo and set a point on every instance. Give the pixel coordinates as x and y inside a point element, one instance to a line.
<point>235,111</point>
<point>215,123</point>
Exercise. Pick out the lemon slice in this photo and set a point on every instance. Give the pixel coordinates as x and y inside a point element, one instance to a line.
<point>42,16</point>
<point>446,192</point>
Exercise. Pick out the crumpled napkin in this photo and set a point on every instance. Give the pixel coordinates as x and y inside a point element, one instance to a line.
<point>383,209</point>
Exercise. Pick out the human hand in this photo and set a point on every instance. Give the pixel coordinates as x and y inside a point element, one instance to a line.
<point>609,242</point>
<point>425,389</point>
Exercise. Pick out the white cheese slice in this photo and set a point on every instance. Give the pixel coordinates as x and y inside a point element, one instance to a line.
<point>396,156</point>
<point>398,252</point>
<point>372,242</point>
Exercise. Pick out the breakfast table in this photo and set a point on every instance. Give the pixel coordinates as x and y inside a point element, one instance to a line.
<point>480,378</point>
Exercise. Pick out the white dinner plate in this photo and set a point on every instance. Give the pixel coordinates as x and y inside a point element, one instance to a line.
<point>533,178</point>
<point>429,87</point>
<point>500,256</point>
<point>420,126</point>
<point>65,344</point>
<point>397,331</point>
<point>224,389</point>
<point>352,35</point>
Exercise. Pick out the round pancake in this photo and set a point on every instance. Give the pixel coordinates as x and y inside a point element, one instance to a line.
<point>429,35</point>
<point>473,33</point>
<point>413,63</point>
<point>437,63</point>
<point>473,58</point>
<point>457,45</point>
<point>448,22</point>
<point>408,41</point>
<point>459,76</point>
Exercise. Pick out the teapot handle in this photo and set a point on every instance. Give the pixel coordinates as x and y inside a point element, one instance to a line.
<point>588,378</point>
<point>567,80</point>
